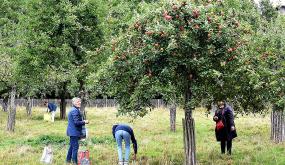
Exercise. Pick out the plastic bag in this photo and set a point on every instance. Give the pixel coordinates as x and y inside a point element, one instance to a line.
<point>84,133</point>
<point>47,117</point>
<point>47,155</point>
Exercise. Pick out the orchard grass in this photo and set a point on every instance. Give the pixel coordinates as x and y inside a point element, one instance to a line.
<point>157,145</point>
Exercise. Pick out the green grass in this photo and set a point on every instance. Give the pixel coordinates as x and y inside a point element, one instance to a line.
<point>157,145</point>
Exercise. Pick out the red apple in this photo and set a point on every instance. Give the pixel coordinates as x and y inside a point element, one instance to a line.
<point>168,17</point>
<point>148,33</point>
<point>196,13</point>
<point>230,50</point>
<point>209,19</point>
<point>197,26</point>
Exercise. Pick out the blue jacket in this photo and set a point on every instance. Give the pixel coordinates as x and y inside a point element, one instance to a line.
<point>128,129</point>
<point>75,122</point>
<point>51,107</point>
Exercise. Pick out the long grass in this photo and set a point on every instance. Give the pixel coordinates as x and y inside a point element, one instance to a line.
<point>157,145</point>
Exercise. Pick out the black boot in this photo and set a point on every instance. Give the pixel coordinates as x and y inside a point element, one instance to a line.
<point>223,147</point>
<point>229,147</point>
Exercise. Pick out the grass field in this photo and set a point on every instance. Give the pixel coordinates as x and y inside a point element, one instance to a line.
<point>157,145</point>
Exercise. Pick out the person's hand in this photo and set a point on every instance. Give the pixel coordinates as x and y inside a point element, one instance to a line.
<point>216,118</point>
<point>233,128</point>
<point>86,121</point>
<point>135,157</point>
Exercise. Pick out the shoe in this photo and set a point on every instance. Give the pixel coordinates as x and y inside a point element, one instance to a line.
<point>121,163</point>
<point>126,163</point>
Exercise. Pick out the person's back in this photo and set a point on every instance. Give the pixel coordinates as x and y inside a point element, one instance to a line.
<point>124,132</point>
<point>52,107</point>
<point>122,127</point>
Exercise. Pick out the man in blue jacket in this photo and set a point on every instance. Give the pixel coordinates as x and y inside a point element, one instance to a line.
<point>51,108</point>
<point>74,128</point>
<point>126,133</point>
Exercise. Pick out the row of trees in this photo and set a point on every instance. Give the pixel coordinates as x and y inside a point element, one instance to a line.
<point>188,53</point>
<point>48,48</point>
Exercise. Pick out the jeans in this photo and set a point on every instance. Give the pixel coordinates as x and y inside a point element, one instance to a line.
<point>120,135</point>
<point>227,143</point>
<point>73,149</point>
<point>52,116</point>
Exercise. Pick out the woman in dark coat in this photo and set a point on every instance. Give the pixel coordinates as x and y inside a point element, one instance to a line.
<point>228,132</point>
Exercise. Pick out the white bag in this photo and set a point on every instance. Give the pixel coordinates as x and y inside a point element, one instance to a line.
<point>47,155</point>
<point>84,134</point>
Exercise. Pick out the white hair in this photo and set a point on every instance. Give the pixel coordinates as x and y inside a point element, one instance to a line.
<point>75,99</point>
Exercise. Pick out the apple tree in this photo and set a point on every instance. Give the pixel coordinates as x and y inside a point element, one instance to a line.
<point>58,36</point>
<point>184,47</point>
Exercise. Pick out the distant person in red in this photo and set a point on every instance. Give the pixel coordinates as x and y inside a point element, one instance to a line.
<point>51,108</point>
<point>225,126</point>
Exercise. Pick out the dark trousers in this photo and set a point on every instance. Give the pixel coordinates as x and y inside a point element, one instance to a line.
<point>227,143</point>
<point>73,149</point>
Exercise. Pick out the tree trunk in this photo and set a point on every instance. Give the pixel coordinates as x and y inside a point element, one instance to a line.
<point>63,101</point>
<point>12,111</point>
<point>62,108</point>
<point>83,105</point>
<point>84,98</point>
<point>29,106</point>
<point>172,110</point>
<point>277,125</point>
<point>189,130</point>
<point>189,141</point>
<point>83,102</point>
<point>5,103</point>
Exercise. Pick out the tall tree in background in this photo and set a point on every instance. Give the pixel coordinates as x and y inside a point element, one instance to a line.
<point>277,66</point>
<point>272,60</point>
<point>58,38</point>
<point>271,53</point>
<point>10,11</point>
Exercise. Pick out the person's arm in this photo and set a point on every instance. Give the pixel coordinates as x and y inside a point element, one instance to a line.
<point>230,118</point>
<point>77,118</point>
<point>49,107</point>
<point>113,131</point>
<point>134,141</point>
<point>215,117</point>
